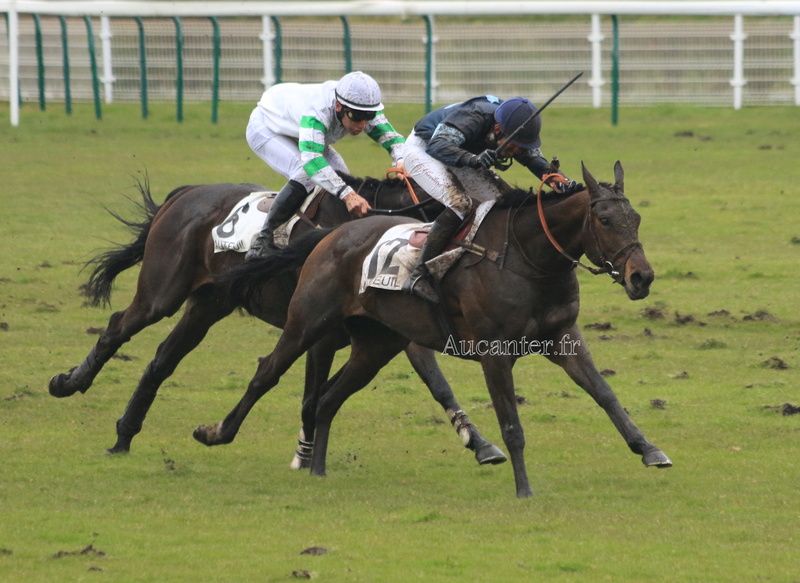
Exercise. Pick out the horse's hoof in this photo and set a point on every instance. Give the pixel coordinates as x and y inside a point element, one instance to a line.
<point>207,435</point>
<point>656,458</point>
<point>299,463</point>
<point>58,386</point>
<point>123,445</point>
<point>490,454</point>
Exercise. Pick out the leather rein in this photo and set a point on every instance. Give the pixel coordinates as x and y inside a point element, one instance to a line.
<point>608,264</point>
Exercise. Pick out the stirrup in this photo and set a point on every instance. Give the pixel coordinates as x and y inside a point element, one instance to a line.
<point>420,283</point>
<point>422,286</point>
<point>261,248</point>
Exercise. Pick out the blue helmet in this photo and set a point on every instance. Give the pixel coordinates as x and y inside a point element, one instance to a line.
<point>513,113</point>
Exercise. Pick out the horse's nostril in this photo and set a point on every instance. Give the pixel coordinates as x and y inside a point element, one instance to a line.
<point>641,279</point>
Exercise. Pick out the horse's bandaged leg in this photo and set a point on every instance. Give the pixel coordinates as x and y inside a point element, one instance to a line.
<point>462,425</point>
<point>302,456</point>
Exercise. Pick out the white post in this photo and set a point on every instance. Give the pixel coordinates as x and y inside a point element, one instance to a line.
<point>13,63</point>
<point>596,82</point>
<point>108,65</point>
<point>795,36</point>
<point>266,39</point>
<point>738,82</point>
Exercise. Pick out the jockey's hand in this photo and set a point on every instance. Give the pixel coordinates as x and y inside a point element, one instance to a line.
<point>570,187</point>
<point>485,159</point>
<point>356,204</point>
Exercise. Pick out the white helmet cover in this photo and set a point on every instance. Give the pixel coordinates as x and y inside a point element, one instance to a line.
<point>359,91</point>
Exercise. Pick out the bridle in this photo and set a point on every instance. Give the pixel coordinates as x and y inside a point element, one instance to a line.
<point>608,264</point>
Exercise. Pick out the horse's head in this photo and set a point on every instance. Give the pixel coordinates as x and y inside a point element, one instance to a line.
<point>613,235</point>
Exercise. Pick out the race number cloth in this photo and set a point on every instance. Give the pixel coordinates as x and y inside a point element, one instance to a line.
<point>245,221</point>
<point>393,259</point>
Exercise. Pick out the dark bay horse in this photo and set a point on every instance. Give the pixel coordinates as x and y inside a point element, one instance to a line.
<point>174,245</point>
<point>530,295</point>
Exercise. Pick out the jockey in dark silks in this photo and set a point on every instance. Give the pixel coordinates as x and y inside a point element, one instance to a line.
<point>449,153</point>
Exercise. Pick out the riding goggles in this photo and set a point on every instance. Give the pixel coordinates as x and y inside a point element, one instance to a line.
<point>356,115</point>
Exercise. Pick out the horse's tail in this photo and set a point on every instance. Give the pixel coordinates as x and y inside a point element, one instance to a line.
<point>248,277</point>
<point>109,264</point>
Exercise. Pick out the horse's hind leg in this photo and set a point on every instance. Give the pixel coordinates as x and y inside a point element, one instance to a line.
<point>122,326</point>
<point>372,347</point>
<point>573,356</point>
<point>203,309</point>
<point>424,363</point>
<point>319,360</point>
<point>289,348</point>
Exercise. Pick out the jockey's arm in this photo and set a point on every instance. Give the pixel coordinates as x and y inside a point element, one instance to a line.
<point>445,146</point>
<point>382,132</point>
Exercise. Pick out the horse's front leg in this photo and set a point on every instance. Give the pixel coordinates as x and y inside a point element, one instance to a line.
<point>570,352</point>
<point>424,362</point>
<point>500,382</point>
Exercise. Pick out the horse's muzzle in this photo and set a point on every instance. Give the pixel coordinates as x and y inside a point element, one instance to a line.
<point>637,283</point>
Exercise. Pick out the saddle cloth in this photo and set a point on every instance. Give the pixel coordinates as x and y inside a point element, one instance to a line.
<point>394,256</point>
<point>243,224</point>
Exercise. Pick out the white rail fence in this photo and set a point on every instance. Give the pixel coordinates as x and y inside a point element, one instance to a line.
<point>715,53</point>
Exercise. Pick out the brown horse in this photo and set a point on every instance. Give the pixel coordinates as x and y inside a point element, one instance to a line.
<point>525,301</point>
<point>174,245</point>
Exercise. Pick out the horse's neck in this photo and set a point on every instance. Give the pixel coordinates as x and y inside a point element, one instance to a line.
<point>565,221</point>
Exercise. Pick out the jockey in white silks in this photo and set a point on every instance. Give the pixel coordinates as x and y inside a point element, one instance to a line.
<point>293,128</point>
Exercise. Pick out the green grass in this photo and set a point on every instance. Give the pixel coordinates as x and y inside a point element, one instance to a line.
<point>403,501</point>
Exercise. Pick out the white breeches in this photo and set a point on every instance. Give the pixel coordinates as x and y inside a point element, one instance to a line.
<point>282,154</point>
<point>453,187</point>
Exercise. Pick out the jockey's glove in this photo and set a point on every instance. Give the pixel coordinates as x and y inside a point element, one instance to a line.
<point>570,187</point>
<point>485,159</point>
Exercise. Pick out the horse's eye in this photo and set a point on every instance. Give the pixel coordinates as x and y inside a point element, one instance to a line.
<point>604,221</point>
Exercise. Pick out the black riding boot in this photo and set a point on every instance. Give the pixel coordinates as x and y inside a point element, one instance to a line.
<point>286,203</point>
<point>420,282</point>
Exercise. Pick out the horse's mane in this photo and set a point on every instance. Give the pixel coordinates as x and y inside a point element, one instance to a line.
<point>516,197</point>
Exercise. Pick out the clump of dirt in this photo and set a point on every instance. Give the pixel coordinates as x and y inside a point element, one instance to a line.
<point>302,574</point>
<point>89,550</point>
<point>724,313</point>
<point>652,313</point>
<point>683,319</point>
<point>681,375</point>
<point>95,331</point>
<point>599,326</point>
<point>786,409</point>
<point>125,357</point>
<point>6,552</point>
<point>4,326</point>
<point>658,403</point>
<point>315,551</point>
<point>608,372</point>
<point>760,316</point>
<point>775,363</point>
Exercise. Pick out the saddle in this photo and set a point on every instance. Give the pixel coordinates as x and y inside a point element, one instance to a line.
<point>417,239</point>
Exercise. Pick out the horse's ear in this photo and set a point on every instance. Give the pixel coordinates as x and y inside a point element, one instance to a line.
<point>619,176</point>
<point>589,181</point>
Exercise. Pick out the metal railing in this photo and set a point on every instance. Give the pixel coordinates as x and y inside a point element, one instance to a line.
<point>451,49</point>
